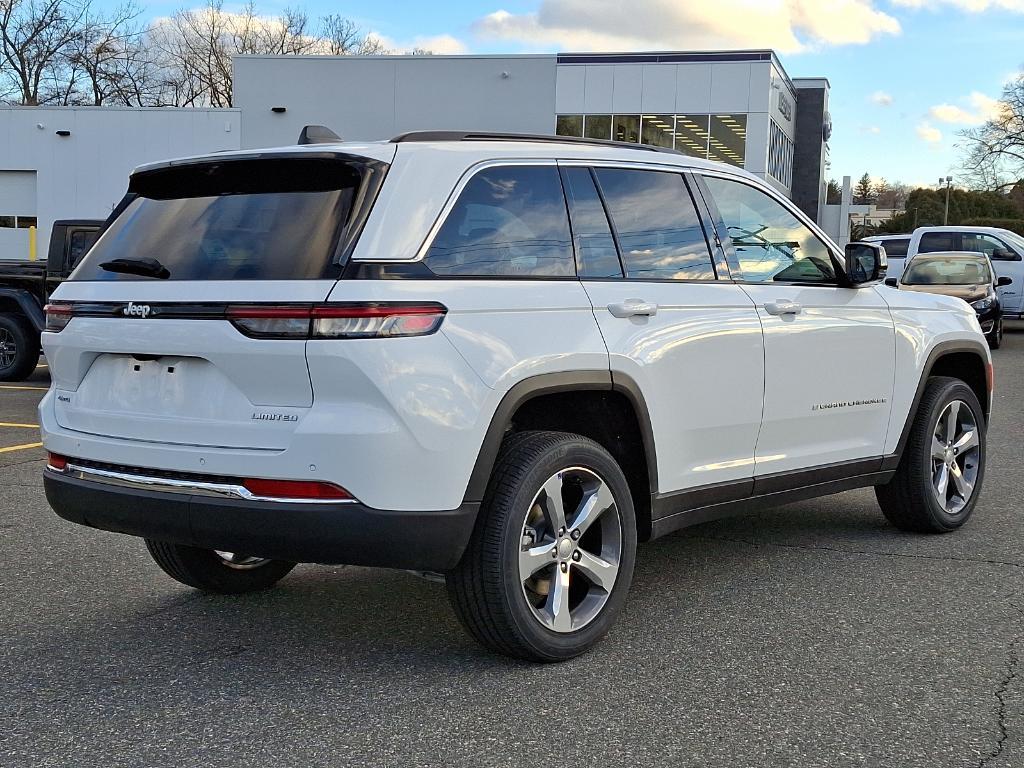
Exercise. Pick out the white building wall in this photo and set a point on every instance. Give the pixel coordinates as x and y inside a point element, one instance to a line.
<point>378,97</point>
<point>85,174</point>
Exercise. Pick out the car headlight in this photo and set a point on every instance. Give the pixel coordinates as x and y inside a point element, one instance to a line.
<point>982,304</point>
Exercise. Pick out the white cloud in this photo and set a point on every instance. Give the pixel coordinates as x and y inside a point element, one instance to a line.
<point>872,129</point>
<point>442,45</point>
<point>981,108</point>
<point>929,133</point>
<point>971,6</point>
<point>786,25</point>
<point>881,98</point>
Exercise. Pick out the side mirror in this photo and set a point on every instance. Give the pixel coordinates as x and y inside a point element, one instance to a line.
<point>865,263</point>
<point>1001,281</point>
<point>892,282</point>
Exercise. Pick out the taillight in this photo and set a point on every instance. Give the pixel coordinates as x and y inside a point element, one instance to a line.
<point>57,317</point>
<point>338,321</point>
<point>296,489</point>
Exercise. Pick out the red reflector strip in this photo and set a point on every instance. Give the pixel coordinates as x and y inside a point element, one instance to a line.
<point>379,310</point>
<point>56,461</point>
<point>295,489</point>
<point>57,309</point>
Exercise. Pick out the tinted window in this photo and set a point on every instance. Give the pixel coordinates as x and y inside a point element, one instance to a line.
<point>508,221</point>
<point>937,241</point>
<point>987,244</point>
<point>596,255</point>
<point>236,220</point>
<point>896,248</point>
<point>660,235</point>
<point>769,243</point>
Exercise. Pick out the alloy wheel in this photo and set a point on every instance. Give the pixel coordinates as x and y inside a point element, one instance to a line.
<point>570,549</point>
<point>955,456</point>
<point>8,348</point>
<point>240,562</point>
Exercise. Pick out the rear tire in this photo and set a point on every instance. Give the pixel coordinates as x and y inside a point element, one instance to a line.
<point>219,572</point>
<point>19,348</point>
<point>549,564</point>
<point>939,478</point>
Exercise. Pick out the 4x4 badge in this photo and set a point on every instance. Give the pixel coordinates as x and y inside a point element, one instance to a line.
<point>136,310</point>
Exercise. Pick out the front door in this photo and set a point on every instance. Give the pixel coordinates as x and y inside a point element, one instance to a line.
<point>829,351</point>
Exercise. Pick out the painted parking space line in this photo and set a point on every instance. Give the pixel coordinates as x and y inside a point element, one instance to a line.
<point>25,447</point>
<point>23,426</point>
<point>12,386</point>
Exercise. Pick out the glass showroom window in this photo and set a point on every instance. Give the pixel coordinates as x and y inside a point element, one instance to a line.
<point>656,130</point>
<point>626,128</point>
<point>692,135</point>
<point>569,125</point>
<point>780,156</point>
<point>728,143</point>
<point>597,126</point>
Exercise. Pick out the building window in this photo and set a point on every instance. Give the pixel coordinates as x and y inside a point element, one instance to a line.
<point>7,222</point>
<point>656,130</point>
<point>597,126</point>
<point>24,222</point>
<point>728,139</point>
<point>569,125</point>
<point>780,156</point>
<point>692,135</point>
<point>626,128</point>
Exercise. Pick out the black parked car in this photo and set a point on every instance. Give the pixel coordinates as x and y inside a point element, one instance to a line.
<point>965,274</point>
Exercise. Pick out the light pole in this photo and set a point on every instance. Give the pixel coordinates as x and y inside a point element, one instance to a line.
<point>945,216</point>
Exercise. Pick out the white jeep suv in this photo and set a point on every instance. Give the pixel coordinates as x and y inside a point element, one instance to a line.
<point>504,359</point>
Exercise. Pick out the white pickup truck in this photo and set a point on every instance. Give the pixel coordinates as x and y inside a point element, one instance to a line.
<point>1003,247</point>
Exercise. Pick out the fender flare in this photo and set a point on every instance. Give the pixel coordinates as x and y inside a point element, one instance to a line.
<point>940,350</point>
<point>552,383</point>
<point>28,305</point>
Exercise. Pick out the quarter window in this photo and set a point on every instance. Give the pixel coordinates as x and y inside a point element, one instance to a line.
<point>769,243</point>
<point>659,231</point>
<point>508,222</point>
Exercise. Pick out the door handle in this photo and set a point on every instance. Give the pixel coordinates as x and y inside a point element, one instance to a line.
<point>633,308</point>
<point>782,307</point>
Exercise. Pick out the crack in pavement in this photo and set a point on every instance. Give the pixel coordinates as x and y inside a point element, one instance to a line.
<point>1000,694</point>
<point>752,543</point>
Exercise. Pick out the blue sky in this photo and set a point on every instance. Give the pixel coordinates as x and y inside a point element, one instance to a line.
<point>906,75</point>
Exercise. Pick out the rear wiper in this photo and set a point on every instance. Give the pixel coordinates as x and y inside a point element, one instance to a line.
<point>144,267</point>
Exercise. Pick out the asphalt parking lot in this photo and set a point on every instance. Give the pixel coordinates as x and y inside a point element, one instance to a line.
<point>812,635</point>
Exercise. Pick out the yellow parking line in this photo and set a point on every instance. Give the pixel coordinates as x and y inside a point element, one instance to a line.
<point>26,426</point>
<point>11,386</point>
<point>20,447</point>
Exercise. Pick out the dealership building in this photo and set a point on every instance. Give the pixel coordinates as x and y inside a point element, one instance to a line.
<point>736,107</point>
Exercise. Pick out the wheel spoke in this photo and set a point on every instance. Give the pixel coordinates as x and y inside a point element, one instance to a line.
<point>600,572</point>
<point>595,503</point>
<point>951,419</point>
<point>557,606</point>
<point>967,441</point>
<point>533,559</point>
<point>938,449</point>
<point>963,486</point>
<point>942,482</point>
<point>552,504</point>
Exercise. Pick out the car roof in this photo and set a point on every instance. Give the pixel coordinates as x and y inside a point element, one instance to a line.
<point>974,255</point>
<point>875,238</point>
<point>962,228</point>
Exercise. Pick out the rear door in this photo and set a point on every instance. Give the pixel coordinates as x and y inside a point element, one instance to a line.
<point>176,333</point>
<point>829,351</point>
<point>691,342</point>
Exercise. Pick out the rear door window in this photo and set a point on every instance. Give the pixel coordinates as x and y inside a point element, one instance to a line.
<point>657,225</point>
<point>266,219</point>
<point>596,254</point>
<point>897,248</point>
<point>509,221</point>
<point>934,242</point>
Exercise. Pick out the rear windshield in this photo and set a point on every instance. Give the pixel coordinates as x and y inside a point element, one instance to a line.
<point>896,247</point>
<point>936,270</point>
<point>265,219</point>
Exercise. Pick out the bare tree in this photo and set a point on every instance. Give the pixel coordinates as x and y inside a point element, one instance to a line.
<point>107,55</point>
<point>35,34</point>
<point>339,36</point>
<point>995,150</point>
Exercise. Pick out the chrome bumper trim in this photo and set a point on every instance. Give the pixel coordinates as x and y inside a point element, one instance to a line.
<point>184,487</point>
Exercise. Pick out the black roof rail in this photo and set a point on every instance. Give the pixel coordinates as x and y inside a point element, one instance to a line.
<point>413,136</point>
<point>318,134</point>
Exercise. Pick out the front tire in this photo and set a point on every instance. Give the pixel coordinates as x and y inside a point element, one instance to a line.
<point>19,349</point>
<point>550,562</point>
<point>995,336</point>
<point>224,573</point>
<point>939,478</point>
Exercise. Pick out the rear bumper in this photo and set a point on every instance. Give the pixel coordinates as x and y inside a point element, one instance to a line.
<point>347,533</point>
